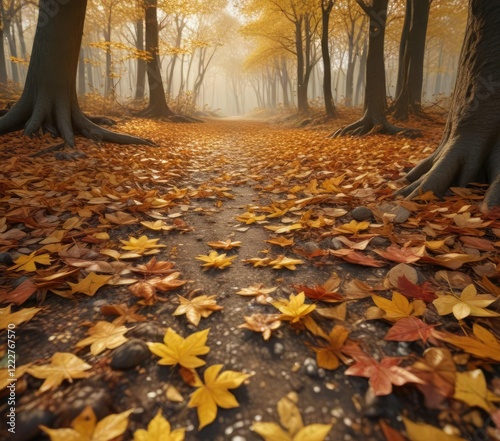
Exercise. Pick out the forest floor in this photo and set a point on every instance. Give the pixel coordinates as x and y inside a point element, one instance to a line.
<point>338,283</point>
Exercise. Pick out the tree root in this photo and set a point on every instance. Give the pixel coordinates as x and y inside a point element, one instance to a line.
<point>58,154</point>
<point>63,119</point>
<point>458,162</point>
<point>366,126</point>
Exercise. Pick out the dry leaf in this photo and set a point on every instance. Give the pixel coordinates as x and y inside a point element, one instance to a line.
<point>28,263</point>
<point>224,245</point>
<point>264,323</point>
<point>16,318</point>
<point>426,432</point>
<point>142,245</point>
<point>159,430</point>
<point>89,285</point>
<point>197,307</point>
<point>214,393</point>
<point>294,309</point>
<point>63,366</point>
<point>104,335</point>
<point>215,260</point>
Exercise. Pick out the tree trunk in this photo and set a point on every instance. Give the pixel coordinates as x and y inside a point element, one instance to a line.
<point>362,73</point>
<point>373,119</point>
<point>141,63</point>
<point>411,66</point>
<point>301,84</point>
<point>3,67</point>
<point>11,39</point>
<point>157,103</point>
<point>470,148</point>
<point>81,73</point>
<point>49,101</point>
<point>326,8</point>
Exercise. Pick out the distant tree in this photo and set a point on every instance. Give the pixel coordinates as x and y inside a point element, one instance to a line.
<point>326,9</point>
<point>49,102</point>
<point>470,148</point>
<point>411,60</point>
<point>375,106</point>
<point>157,102</point>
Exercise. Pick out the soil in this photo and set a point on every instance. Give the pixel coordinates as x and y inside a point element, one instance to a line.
<point>229,157</point>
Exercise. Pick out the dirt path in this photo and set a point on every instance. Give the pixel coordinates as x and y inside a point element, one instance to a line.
<point>198,181</point>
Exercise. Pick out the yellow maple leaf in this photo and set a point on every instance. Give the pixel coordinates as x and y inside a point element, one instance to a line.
<point>281,241</point>
<point>283,229</point>
<point>353,227</point>
<point>249,218</point>
<point>329,355</point>
<point>294,309</point>
<point>224,244</point>
<point>214,392</point>
<point>399,307</point>
<point>426,432</point>
<point>86,428</point>
<point>63,366</point>
<point>215,260</point>
<point>90,284</point>
<point>264,323</point>
<point>178,350</point>
<point>104,335</point>
<point>159,430</point>
<point>142,245</point>
<point>28,263</point>
<point>469,303</point>
<point>285,262</point>
<point>293,428</point>
<point>6,375</point>
<point>470,387</point>
<point>258,261</point>
<point>16,318</point>
<point>157,225</point>
<point>197,307</point>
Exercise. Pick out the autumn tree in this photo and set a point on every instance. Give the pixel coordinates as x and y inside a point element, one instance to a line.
<point>411,60</point>
<point>157,102</point>
<point>49,102</point>
<point>470,148</point>
<point>326,9</point>
<point>375,106</point>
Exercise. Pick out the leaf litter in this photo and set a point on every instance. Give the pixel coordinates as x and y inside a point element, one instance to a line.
<point>416,297</point>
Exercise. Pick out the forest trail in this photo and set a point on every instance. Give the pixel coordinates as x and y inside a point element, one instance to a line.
<point>281,200</point>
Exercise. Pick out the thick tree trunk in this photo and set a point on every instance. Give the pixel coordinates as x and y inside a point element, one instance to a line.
<point>326,9</point>
<point>141,63</point>
<point>157,103</point>
<point>3,67</point>
<point>49,101</point>
<point>81,73</point>
<point>470,148</point>
<point>373,119</point>
<point>411,64</point>
<point>11,39</point>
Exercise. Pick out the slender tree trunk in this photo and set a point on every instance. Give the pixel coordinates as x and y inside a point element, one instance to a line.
<point>141,63</point>
<point>326,9</point>
<point>411,66</point>
<point>362,74</point>
<point>3,67</point>
<point>11,39</point>
<point>49,101</point>
<point>301,84</point>
<point>157,103</point>
<point>470,148</point>
<point>373,119</point>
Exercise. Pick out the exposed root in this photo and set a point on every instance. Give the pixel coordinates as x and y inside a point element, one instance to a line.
<point>61,119</point>
<point>366,126</point>
<point>458,162</point>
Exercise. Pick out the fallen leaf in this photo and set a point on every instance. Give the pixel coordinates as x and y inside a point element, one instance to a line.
<point>285,262</point>
<point>142,245</point>
<point>19,294</point>
<point>294,309</point>
<point>329,354</point>
<point>399,307</point>
<point>16,318</point>
<point>89,285</point>
<point>215,260</point>
<point>410,329</point>
<point>183,351</point>
<point>86,428</point>
<point>197,307</point>
<point>63,366</point>
<point>470,387</point>
<point>214,392</point>
<point>28,263</point>
<point>263,323</point>
<point>426,432</point>
<point>412,290</point>
<point>224,245</point>
<point>104,335</point>
<point>159,430</point>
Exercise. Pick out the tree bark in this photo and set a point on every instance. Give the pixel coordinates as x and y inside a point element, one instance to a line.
<point>3,67</point>
<point>470,148</point>
<point>157,106</point>
<point>373,119</point>
<point>141,63</point>
<point>49,102</point>
<point>411,64</point>
<point>326,9</point>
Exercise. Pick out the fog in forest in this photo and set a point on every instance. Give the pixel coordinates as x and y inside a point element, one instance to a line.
<point>237,56</point>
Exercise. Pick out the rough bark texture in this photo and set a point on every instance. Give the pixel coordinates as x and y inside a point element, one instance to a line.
<point>326,9</point>
<point>49,102</point>
<point>470,148</point>
<point>411,64</point>
<point>141,64</point>
<point>157,106</point>
<point>373,119</point>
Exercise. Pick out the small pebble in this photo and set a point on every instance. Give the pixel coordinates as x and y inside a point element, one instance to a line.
<point>278,349</point>
<point>129,355</point>
<point>361,214</point>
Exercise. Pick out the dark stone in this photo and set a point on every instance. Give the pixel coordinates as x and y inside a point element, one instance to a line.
<point>6,259</point>
<point>147,331</point>
<point>130,354</point>
<point>361,214</point>
<point>27,423</point>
